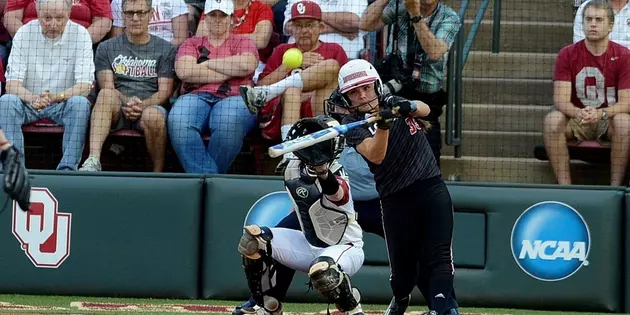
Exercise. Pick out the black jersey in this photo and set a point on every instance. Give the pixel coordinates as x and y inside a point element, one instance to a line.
<point>408,158</point>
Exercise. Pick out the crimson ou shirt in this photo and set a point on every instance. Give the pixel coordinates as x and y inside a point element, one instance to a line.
<point>595,80</point>
<point>82,10</point>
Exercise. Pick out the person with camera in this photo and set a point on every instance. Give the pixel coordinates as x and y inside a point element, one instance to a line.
<point>416,205</point>
<point>415,64</point>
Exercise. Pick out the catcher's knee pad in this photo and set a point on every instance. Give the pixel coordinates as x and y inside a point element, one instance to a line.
<point>255,242</point>
<point>328,278</point>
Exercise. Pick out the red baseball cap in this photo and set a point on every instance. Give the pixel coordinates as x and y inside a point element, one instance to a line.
<point>306,10</point>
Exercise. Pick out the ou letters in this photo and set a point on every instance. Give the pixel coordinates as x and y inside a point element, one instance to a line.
<point>43,231</point>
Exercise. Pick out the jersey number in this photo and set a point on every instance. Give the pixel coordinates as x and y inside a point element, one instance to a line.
<point>593,95</point>
<point>413,125</point>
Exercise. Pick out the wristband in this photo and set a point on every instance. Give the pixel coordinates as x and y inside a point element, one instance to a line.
<point>330,185</point>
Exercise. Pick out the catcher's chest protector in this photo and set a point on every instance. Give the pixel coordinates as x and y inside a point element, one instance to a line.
<point>322,224</point>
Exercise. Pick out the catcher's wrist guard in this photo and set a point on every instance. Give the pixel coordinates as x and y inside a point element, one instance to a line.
<point>330,185</point>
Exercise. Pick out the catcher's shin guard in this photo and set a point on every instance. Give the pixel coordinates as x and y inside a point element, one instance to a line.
<point>334,284</point>
<point>255,249</point>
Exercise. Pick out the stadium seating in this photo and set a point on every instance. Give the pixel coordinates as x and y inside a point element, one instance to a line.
<point>589,151</point>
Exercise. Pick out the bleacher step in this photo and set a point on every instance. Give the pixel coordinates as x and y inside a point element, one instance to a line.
<point>478,143</point>
<point>518,10</point>
<point>518,36</point>
<point>507,91</point>
<point>520,170</point>
<point>499,117</point>
<point>516,65</point>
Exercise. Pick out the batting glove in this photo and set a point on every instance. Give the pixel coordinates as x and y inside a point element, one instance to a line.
<point>401,105</point>
<point>385,119</point>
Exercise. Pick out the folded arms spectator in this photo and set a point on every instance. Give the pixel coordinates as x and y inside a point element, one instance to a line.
<point>212,68</point>
<point>168,19</point>
<point>252,18</point>
<point>49,75</point>
<point>591,95</point>
<point>136,76</point>
<point>95,15</point>
<point>285,95</point>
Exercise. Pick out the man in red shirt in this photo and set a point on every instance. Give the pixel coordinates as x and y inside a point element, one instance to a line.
<point>591,95</point>
<point>284,95</point>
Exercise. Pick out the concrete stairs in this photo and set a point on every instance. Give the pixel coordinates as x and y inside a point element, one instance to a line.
<point>507,95</point>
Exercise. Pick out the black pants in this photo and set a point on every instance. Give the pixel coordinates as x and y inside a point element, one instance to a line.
<point>436,102</point>
<point>418,222</point>
<point>370,220</point>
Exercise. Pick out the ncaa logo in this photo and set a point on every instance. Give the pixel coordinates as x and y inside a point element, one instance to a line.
<point>550,241</point>
<point>43,231</point>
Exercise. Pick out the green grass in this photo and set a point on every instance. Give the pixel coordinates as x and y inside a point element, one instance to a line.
<point>65,302</point>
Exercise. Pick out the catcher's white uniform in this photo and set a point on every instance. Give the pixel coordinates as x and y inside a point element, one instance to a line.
<point>328,228</point>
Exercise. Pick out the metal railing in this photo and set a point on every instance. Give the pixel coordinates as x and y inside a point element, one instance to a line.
<point>458,55</point>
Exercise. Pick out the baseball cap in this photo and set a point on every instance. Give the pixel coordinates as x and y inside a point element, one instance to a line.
<point>306,10</point>
<point>225,6</point>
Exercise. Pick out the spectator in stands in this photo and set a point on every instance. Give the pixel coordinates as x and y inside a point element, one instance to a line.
<point>195,11</point>
<point>212,68</point>
<point>591,95</point>
<point>285,95</point>
<point>620,30</point>
<point>278,7</point>
<point>423,61</point>
<point>49,77</point>
<point>95,15</point>
<point>340,24</point>
<point>255,19</point>
<point>168,20</point>
<point>136,75</point>
<point>5,38</point>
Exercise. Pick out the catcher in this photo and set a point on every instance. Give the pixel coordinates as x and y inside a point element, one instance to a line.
<point>328,246</point>
<point>15,177</point>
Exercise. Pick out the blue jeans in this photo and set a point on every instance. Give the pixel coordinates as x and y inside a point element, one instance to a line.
<point>73,115</point>
<point>228,121</point>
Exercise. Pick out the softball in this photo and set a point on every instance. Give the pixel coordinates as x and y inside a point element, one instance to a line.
<point>292,58</point>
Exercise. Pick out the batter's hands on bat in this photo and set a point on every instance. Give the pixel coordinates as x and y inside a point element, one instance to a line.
<point>385,119</point>
<point>400,105</point>
<point>15,179</point>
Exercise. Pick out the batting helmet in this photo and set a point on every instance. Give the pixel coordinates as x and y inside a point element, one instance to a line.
<point>320,153</point>
<point>356,73</point>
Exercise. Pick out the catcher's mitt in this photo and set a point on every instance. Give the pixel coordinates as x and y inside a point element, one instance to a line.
<point>16,182</point>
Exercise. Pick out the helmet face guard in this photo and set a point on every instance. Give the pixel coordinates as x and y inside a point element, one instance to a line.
<point>320,153</point>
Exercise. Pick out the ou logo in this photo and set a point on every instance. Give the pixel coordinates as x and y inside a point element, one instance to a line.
<point>43,231</point>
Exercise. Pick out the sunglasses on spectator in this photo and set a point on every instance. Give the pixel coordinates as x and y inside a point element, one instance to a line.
<point>141,13</point>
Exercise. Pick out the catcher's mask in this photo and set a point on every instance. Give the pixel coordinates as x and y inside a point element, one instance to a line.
<point>320,153</point>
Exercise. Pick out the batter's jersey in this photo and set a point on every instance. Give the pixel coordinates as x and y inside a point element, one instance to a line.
<point>595,80</point>
<point>408,158</point>
<point>323,222</point>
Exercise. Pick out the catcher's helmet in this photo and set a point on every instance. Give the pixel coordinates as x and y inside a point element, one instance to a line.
<point>320,153</point>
